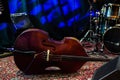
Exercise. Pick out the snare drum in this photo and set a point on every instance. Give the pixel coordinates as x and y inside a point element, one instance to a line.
<point>111,39</point>
<point>111,11</point>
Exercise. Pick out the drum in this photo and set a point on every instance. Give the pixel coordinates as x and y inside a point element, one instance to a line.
<point>106,24</point>
<point>111,39</point>
<point>111,11</point>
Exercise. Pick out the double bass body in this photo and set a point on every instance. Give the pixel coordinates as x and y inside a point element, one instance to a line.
<point>39,41</point>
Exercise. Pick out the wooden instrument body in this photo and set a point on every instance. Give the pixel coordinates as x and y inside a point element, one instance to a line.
<point>39,41</point>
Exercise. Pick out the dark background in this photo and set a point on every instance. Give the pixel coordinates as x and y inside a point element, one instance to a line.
<point>60,18</point>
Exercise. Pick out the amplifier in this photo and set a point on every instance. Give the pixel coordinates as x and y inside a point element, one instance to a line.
<point>109,71</point>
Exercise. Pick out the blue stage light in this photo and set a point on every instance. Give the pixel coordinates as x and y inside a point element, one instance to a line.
<point>61,25</point>
<point>3,26</point>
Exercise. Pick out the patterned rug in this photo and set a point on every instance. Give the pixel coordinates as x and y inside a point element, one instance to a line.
<point>9,71</point>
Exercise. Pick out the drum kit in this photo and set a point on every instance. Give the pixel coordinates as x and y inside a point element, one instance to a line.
<point>107,28</point>
<point>111,38</point>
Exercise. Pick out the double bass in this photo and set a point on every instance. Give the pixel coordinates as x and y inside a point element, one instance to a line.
<point>36,53</point>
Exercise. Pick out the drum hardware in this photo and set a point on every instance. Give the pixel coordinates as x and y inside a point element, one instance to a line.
<point>90,34</point>
<point>90,31</point>
<point>94,36</point>
<point>106,26</point>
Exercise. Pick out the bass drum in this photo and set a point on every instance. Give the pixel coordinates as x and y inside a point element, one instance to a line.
<point>111,39</point>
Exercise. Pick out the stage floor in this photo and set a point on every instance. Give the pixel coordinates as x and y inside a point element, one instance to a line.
<point>9,71</point>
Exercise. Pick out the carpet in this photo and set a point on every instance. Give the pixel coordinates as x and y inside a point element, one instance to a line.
<point>9,71</point>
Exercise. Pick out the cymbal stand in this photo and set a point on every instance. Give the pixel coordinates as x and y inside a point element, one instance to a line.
<point>89,34</point>
<point>97,34</point>
<point>90,31</point>
<point>92,36</point>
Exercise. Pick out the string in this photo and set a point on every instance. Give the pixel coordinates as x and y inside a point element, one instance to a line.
<point>30,64</point>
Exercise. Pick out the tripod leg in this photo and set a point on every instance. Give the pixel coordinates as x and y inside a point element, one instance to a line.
<point>85,36</point>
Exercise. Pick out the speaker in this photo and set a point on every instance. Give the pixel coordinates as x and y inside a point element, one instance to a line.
<point>21,22</point>
<point>109,71</point>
